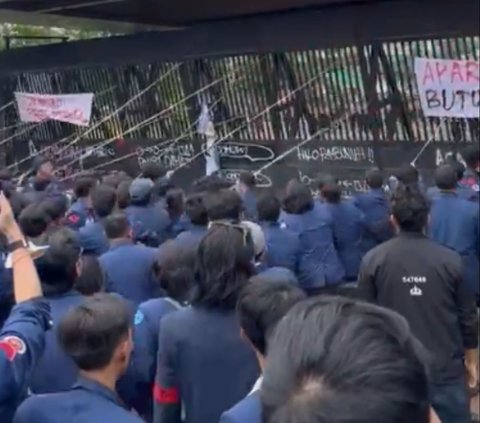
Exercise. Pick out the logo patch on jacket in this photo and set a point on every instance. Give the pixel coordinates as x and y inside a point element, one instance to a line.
<point>11,346</point>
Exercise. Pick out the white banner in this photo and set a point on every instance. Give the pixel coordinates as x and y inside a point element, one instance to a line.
<point>448,88</point>
<point>70,108</point>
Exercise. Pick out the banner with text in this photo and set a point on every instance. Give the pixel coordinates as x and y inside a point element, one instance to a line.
<point>449,88</point>
<point>70,108</point>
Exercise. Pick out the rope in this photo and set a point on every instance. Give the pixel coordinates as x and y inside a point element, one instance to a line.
<point>6,106</point>
<point>143,123</point>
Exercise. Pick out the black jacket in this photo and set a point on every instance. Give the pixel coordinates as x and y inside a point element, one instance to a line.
<point>423,281</point>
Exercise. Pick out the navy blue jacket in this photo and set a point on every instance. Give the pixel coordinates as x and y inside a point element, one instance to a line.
<point>93,239</point>
<point>463,191</point>
<point>454,223</point>
<point>376,211</point>
<point>319,264</point>
<point>22,340</point>
<point>128,271</point>
<point>78,215</point>
<point>87,401</point>
<point>248,410</point>
<point>250,205</point>
<point>150,224</point>
<point>178,226</point>
<point>348,227</point>
<point>202,363</point>
<point>136,386</point>
<point>192,236</point>
<point>283,246</point>
<point>55,371</point>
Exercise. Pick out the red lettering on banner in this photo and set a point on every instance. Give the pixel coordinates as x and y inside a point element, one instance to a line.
<point>428,76</point>
<point>473,71</point>
<point>441,70</point>
<point>165,395</point>
<point>456,73</point>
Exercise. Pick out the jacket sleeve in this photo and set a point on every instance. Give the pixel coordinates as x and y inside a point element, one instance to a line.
<point>22,340</point>
<point>366,279</point>
<point>227,418</point>
<point>466,310</point>
<point>166,390</point>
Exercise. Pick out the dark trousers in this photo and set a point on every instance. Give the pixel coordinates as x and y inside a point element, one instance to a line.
<point>450,401</point>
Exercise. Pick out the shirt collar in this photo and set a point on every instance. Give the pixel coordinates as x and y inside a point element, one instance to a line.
<point>120,243</point>
<point>257,386</point>
<point>97,388</point>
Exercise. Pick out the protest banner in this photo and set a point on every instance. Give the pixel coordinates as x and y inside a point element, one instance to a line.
<point>70,108</point>
<point>448,88</point>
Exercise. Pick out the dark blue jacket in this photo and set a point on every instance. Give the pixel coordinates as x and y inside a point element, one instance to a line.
<point>93,239</point>
<point>55,371</point>
<point>319,264</point>
<point>250,205</point>
<point>202,363</point>
<point>248,410</point>
<point>150,224</point>
<point>87,401</point>
<point>128,271</point>
<point>136,386</point>
<point>463,191</point>
<point>376,211</point>
<point>283,246</point>
<point>192,236</point>
<point>454,223</point>
<point>348,227</point>
<point>178,226</point>
<point>78,215</point>
<point>22,340</point>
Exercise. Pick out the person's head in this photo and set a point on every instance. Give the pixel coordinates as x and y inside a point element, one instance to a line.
<point>196,210</point>
<point>459,169</point>
<point>323,179</point>
<point>97,334</point>
<point>91,279</point>
<point>153,171</point>
<point>445,178</point>
<point>114,179</point>
<point>298,198</point>
<point>117,227</point>
<point>261,305</point>
<point>336,360</point>
<point>175,271</point>
<point>268,208</point>
<point>103,200</point>
<point>123,194</point>
<point>56,208</point>
<point>407,175</point>
<point>246,181</point>
<point>409,209</point>
<point>175,202</point>
<point>162,186</point>
<point>34,220</point>
<point>331,193</point>
<point>223,265</point>
<point>58,267</point>
<point>224,204</point>
<point>374,178</point>
<point>43,168</point>
<point>82,187</point>
<point>471,155</point>
<point>140,191</point>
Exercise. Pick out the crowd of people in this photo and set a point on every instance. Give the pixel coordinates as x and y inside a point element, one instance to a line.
<point>132,300</point>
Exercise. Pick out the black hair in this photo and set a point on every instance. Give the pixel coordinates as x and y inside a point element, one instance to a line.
<point>55,207</point>
<point>445,177</point>
<point>211,183</point>
<point>83,186</point>
<point>123,194</point>
<point>333,359</point>
<point>332,193</point>
<point>91,332</point>
<point>116,225</point>
<point>223,266</point>
<point>268,207</point>
<point>34,220</point>
<point>113,180</point>
<point>247,178</point>
<point>298,198</point>
<point>196,210</point>
<point>323,179</point>
<point>103,200</point>
<point>459,169</point>
<point>162,186</point>
<point>410,208</point>
<point>374,178</point>
<point>153,171</point>
<point>261,305</point>
<point>223,204</point>
<point>57,266</point>
<point>175,271</point>
<point>92,278</point>
<point>471,155</point>
<point>407,175</point>
<point>174,202</point>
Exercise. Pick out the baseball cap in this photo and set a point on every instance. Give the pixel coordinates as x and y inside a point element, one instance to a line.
<point>140,189</point>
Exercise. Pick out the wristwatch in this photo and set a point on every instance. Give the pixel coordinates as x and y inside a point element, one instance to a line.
<point>15,245</point>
